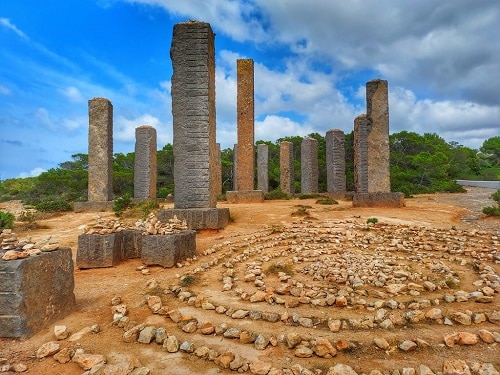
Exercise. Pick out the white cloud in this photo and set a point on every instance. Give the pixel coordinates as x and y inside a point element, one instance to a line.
<point>274,127</point>
<point>33,173</point>
<point>124,128</point>
<point>4,90</point>
<point>5,22</point>
<point>72,93</point>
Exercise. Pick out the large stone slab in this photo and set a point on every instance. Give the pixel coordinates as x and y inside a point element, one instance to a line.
<point>99,250</point>
<point>245,196</point>
<point>132,243</point>
<point>35,292</point>
<point>378,200</point>
<point>168,250</point>
<point>104,206</point>
<point>198,218</point>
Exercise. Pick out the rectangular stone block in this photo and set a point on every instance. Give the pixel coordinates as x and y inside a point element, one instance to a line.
<point>168,250</point>
<point>245,196</point>
<point>132,243</point>
<point>378,199</point>
<point>99,250</point>
<point>198,218</point>
<point>35,292</point>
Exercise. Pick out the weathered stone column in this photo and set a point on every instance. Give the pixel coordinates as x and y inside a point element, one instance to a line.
<point>263,167</point>
<point>361,130</point>
<point>309,166</point>
<point>218,171</point>
<point>286,168</point>
<point>335,162</point>
<point>235,167</point>
<point>145,163</point>
<point>100,187</point>
<point>193,110</point>
<point>377,113</point>
<point>245,119</point>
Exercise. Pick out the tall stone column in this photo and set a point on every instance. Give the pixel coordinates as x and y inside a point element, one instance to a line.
<point>100,187</point>
<point>286,168</point>
<point>245,119</point>
<point>335,162</point>
<point>361,130</point>
<point>145,163</point>
<point>218,169</point>
<point>263,167</point>
<point>235,167</point>
<point>309,166</point>
<point>377,113</point>
<point>193,110</point>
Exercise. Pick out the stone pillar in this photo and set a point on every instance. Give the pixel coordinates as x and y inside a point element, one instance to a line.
<point>245,119</point>
<point>286,168</point>
<point>263,167</point>
<point>335,162</point>
<point>361,130</point>
<point>193,110</point>
<point>100,187</point>
<point>145,163</point>
<point>235,167</point>
<point>309,166</point>
<point>377,113</point>
<point>218,171</point>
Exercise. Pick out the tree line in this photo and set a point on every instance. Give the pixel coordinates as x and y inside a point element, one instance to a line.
<point>419,164</point>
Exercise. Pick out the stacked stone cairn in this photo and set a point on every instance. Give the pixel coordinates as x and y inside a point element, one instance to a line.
<point>12,248</point>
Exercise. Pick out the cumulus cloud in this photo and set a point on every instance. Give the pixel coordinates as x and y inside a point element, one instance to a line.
<point>72,93</point>
<point>125,128</point>
<point>33,173</point>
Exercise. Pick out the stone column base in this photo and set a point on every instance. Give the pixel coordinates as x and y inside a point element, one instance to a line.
<point>93,206</point>
<point>197,218</point>
<point>99,250</point>
<point>35,292</point>
<point>168,250</point>
<point>378,199</point>
<point>245,196</point>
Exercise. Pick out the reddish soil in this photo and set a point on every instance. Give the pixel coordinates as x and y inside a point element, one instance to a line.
<point>95,288</point>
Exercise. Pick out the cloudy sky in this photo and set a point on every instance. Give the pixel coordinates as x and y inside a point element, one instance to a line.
<point>312,60</point>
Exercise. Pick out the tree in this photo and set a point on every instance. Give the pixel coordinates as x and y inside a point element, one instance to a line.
<point>491,150</point>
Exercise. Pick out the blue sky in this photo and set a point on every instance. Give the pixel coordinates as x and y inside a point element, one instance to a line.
<point>312,60</point>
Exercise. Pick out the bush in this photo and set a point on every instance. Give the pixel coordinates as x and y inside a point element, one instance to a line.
<point>6,220</point>
<point>53,206</point>
<point>120,204</point>
<point>328,201</point>
<point>276,194</point>
<point>372,220</point>
<point>491,211</point>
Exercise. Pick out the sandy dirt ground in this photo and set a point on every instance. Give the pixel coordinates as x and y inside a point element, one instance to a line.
<point>94,289</point>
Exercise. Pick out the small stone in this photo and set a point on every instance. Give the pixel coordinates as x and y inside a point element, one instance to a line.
<point>455,367</point>
<point>171,344</point>
<point>19,367</point>
<point>486,336</point>
<point>247,337</point>
<point>381,343</point>
<point>224,359</point>
<point>88,361</point>
<point>408,346</point>
<point>187,347</point>
<point>341,369</point>
<point>466,338</point>
<point>232,333</point>
<point>207,328</point>
<point>334,325</point>
<point>64,355</point>
<point>303,352</point>
<point>61,332</point>
<point>261,342</point>
<point>154,303</point>
<point>461,318</point>
<point>240,314</point>
<point>323,348</point>
<point>260,368</point>
<point>146,335</point>
<point>48,349</point>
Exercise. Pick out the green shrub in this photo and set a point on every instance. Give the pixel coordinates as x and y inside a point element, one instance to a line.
<point>276,194</point>
<point>188,280</point>
<point>53,206</point>
<point>309,196</point>
<point>120,204</point>
<point>328,201</point>
<point>491,211</point>
<point>6,220</point>
<point>372,220</point>
<point>496,196</point>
